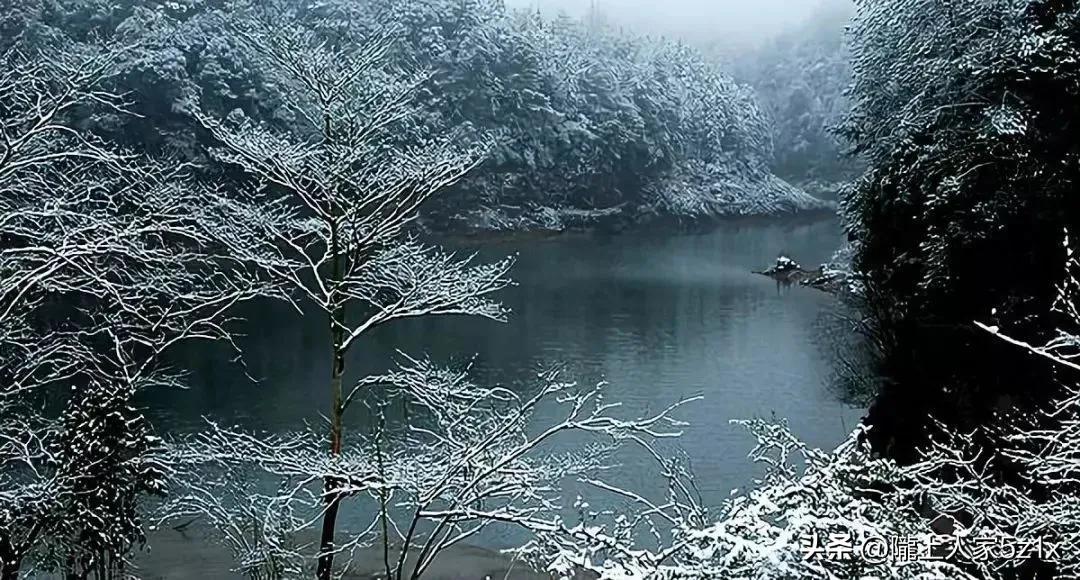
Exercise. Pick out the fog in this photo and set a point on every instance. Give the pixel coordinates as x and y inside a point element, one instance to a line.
<point>721,21</point>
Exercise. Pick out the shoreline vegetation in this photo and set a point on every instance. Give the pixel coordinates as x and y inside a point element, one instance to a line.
<point>163,163</point>
<point>595,123</point>
<point>536,221</point>
<point>666,224</point>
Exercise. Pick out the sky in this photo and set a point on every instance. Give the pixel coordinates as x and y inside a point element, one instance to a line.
<point>724,21</point>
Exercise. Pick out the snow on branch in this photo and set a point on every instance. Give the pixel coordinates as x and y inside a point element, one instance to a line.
<point>108,260</point>
<point>409,280</point>
<point>37,92</point>
<point>258,528</point>
<point>358,183</point>
<point>466,457</point>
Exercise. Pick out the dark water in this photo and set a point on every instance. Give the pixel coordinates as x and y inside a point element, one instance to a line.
<point>660,317</point>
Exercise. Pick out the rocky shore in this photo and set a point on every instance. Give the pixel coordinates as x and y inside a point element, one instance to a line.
<point>834,277</point>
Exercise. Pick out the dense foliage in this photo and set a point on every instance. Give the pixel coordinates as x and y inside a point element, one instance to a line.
<point>966,114</point>
<point>582,118</point>
<point>800,78</point>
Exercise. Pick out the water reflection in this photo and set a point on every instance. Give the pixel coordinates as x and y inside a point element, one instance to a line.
<point>660,317</point>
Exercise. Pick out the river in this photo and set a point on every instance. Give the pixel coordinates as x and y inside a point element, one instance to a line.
<point>658,316</point>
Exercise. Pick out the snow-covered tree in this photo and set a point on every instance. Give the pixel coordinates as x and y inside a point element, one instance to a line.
<point>108,259</point>
<point>957,109</point>
<point>800,78</point>
<point>581,118</point>
<point>332,198</point>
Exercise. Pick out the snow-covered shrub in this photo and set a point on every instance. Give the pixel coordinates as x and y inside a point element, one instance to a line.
<point>700,190</point>
<point>815,514</point>
<point>983,504</point>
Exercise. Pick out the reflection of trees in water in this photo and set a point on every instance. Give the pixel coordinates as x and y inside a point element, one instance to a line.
<point>911,373</point>
<point>844,343</point>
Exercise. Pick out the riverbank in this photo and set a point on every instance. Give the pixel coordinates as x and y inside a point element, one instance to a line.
<point>196,555</point>
<point>676,205</point>
<point>669,225</point>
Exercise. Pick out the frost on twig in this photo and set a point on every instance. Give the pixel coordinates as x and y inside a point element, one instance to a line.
<point>257,526</point>
<point>107,260</point>
<point>333,197</point>
<point>450,459</point>
<point>759,533</point>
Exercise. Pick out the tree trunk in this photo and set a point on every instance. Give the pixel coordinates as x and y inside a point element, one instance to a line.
<point>336,306</point>
<point>331,485</point>
<point>326,547</point>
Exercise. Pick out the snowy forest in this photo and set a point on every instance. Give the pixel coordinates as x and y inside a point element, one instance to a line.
<point>477,289</point>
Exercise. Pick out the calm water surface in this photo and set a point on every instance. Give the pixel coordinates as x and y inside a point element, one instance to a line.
<point>658,316</point>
